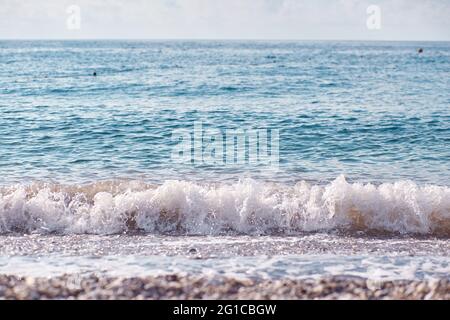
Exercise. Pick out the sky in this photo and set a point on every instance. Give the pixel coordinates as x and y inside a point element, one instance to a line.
<point>226,19</point>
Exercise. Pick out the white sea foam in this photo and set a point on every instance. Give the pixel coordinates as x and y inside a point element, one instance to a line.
<point>248,207</point>
<point>379,268</point>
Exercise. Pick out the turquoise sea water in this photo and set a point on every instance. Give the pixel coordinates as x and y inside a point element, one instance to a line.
<point>373,111</point>
<point>364,136</point>
<point>362,188</point>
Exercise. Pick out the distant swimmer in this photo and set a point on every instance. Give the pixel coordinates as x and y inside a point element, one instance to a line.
<point>420,50</point>
<point>94,74</point>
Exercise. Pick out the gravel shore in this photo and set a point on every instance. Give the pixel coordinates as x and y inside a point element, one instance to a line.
<point>186,287</point>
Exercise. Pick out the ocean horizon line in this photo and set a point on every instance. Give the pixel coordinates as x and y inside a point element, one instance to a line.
<point>225,40</point>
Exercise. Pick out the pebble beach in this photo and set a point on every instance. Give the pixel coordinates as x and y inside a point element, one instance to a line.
<point>181,287</point>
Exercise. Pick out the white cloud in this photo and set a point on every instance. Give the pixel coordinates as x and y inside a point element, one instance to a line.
<point>260,19</point>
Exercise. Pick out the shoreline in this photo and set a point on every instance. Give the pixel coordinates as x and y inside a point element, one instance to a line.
<point>92,287</point>
<point>221,246</point>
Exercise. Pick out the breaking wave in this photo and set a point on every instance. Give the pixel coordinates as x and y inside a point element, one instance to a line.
<point>245,207</point>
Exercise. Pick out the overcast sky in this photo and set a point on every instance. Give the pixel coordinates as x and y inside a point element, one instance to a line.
<point>226,19</point>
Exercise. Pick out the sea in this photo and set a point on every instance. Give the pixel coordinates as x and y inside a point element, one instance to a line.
<point>259,159</point>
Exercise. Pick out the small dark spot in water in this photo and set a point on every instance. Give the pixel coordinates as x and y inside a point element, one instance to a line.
<point>229,88</point>
<point>420,50</point>
<point>192,250</point>
<point>94,74</point>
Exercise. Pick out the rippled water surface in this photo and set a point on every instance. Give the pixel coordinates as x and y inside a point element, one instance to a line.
<point>376,112</point>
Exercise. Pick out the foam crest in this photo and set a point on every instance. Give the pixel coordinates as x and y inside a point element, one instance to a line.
<point>245,207</point>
